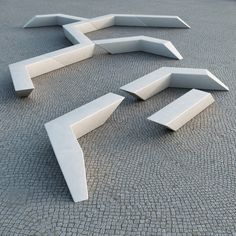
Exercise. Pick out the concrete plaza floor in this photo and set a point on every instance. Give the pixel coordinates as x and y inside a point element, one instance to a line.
<point>142,178</point>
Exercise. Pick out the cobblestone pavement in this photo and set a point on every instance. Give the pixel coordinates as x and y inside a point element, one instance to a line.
<point>142,178</point>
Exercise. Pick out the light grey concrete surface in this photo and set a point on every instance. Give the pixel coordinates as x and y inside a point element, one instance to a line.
<point>23,71</point>
<point>183,109</point>
<point>139,43</point>
<point>64,131</point>
<point>173,77</point>
<point>105,21</point>
<point>51,20</point>
<point>142,179</point>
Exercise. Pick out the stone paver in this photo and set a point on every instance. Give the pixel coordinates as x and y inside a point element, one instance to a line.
<point>142,178</point>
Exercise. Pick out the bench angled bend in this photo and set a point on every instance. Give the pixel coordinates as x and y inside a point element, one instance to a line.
<point>51,20</point>
<point>104,21</point>
<point>158,80</point>
<point>64,131</point>
<point>22,72</point>
<point>139,43</point>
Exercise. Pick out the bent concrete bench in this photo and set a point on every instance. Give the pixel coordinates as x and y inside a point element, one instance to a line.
<point>183,109</point>
<point>139,43</point>
<point>52,20</point>
<point>83,25</point>
<point>105,21</point>
<point>108,20</point>
<point>101,22</point>
<point>149,21</point>
<point>73,35</point>
<point>64,131</point>
<point>158,80</point>
<point>22,72</point>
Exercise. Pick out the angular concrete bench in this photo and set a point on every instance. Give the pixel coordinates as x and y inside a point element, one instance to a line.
<point>52,20</point>
<point>183,109</point>
<point>139,43</point>
<point>149,21</point>
<point>101,22</point>
<point>22,72</point>
<point>108,20</point>
<point>83,25</point>
<point>126,44</point>
<point>64,131</point>
<point>158,80</point>
<point>73,35</point>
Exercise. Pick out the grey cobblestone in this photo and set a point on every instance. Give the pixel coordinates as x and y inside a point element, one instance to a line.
<point>142,178</point>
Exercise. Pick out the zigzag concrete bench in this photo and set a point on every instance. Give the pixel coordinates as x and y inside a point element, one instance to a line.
<point>158,80</point>
<point>52,20</point>
<point>183,109</point>
<point>139,43</point>
<point>22,72</point>
<point>108,20</point>
<point>64,131</point>
<point>73,31</point>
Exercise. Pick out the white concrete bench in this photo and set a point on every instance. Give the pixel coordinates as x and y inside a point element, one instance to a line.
<point>52,20</point>
<point>105,21</point>
<point>73,35</point>
<point>73,26</point>
<point>64,131</point>
<point>150,21</point>
<point>158,80</point>
<point>109,20</point>
<point>22,72</point>
<point>72,31</point>
<point>139,43</point>
<point>183,109</point>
